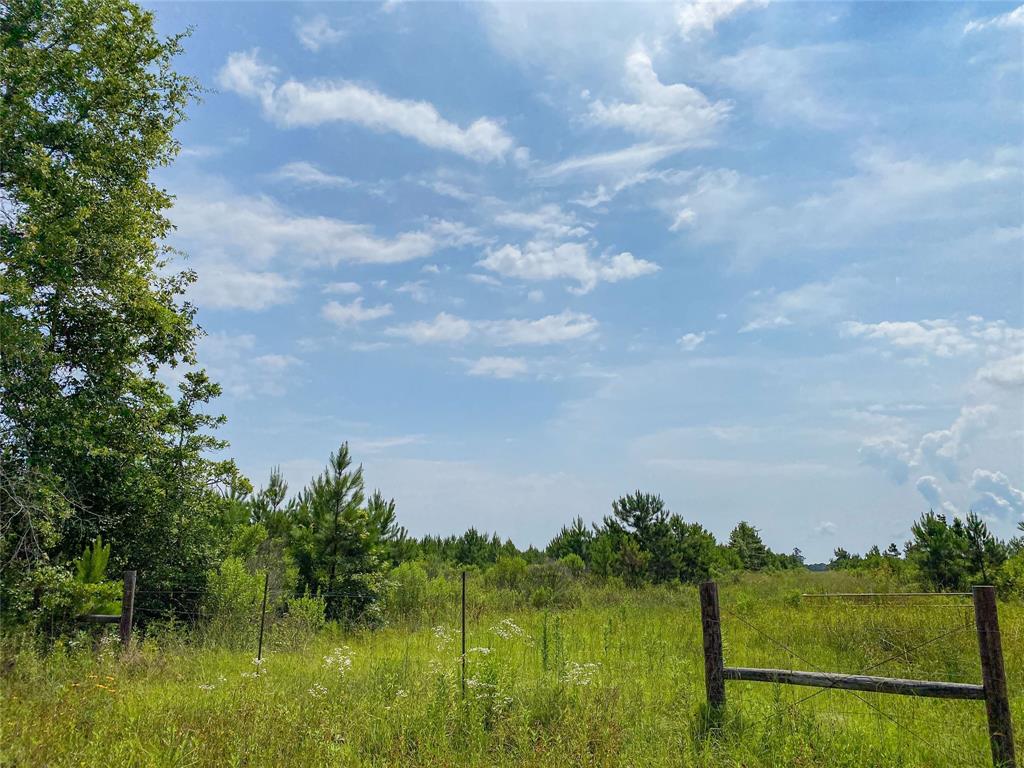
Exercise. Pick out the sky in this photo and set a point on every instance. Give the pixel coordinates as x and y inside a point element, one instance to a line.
<point>763,259</point>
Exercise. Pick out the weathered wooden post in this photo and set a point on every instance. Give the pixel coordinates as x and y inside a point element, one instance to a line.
<point>127,608</point>
<point>463,634</point>
<point>263,615</point>
<point>714,661</point>
<point>993,676</point>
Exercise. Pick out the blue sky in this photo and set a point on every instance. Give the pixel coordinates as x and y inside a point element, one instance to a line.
<point>763,259</point>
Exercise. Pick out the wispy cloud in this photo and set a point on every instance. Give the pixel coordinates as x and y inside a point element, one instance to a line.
<point>353,313</point>
<point>293,104</point>
<point>1010,20</point>
<point>316,32</point>
<point>447,328</point>
<point>306,174</point>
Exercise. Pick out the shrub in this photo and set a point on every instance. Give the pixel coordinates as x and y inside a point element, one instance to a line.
<point>232,603</point>
<point>408,593</point>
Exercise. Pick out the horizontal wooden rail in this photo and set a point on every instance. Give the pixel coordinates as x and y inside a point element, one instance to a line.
<point>886,594</point>
<point>101,618</point>
<point>929,688</point>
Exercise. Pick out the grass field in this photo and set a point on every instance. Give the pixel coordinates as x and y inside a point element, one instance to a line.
<point>617,681</point>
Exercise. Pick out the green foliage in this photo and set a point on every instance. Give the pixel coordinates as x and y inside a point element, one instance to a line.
<point>509,572</point>
<point>232,604</point>
<point>90,311</point>
<point>91,566</point>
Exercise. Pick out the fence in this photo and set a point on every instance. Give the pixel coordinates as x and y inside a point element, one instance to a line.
<point>992,690</point>
<point>123,619</point>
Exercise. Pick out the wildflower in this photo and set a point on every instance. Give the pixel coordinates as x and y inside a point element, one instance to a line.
<point>401,693</point>
<point>340,660</point>
<point>317,691</point>
<point>580,674</point>
<point>481,651</point>
<point>206,687</point>
<point>507,629</point>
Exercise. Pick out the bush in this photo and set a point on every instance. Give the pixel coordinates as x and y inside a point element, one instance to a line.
<point>232,603</point>
<point>408,593</point>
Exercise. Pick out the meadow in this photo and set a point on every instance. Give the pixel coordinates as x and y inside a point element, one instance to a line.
<point>614,680</point>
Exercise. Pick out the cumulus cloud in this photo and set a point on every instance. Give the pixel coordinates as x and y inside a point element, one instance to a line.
<point>673,113</point>
<point>317,31</point>
<point>700,16</point>
<point>998,496</point>
<point>891,456</point>
<point>446,328</point>
<point>944,449</point>
<point>305,174</point>
<point>930,489</point>
<point>825,528</point>
<point>1007,373</point>
<point>540,260</point>
<point>354,313</point>
<point>939,337</point>
<point>498,367</point>
<point>228,286</point>
<point>294,104</point>
<point>690,341</point>
<point>1010,20</point>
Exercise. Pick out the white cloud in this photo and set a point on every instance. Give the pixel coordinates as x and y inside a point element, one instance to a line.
<point>998,496</point>
<point>944,449</point>
<point>342,287</point>
<point>1008,372</point>
<point>890,455</point>
<point>888,196</point>
<point>930,489</point>
<point>498,367</point>
<point>808,303</point>
<point>825,528</point>
<point>306,174</point>
<point>697,16</point>
<point>675,113</point>
<point>234,362</point>
<point>551,329</point>
<point>226,286</point>
<point>296,104</point>
<point>690,341</point>
<point>316,32</point>
<point>782,82</point>
<point>444,328</point>
<point>618,163</point>
<point>939,337</point>
<point>543,261</point>
<point>948,338</point>
<point>548,221</point>
<point>354,313</point>
<point>447,328</point>
<point>416,290</point>
<point>258,229</point>
<point>1010,20</point>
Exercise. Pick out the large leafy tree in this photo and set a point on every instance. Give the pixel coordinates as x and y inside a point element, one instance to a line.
<point>91,441</point>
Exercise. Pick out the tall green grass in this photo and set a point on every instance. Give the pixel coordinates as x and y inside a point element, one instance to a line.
<point>616,681</point>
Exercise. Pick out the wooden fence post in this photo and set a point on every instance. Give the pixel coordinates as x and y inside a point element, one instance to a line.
<point>993,675</point>
<point>463,634</point>
<point>127,608</point>
<point>714,661</point>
